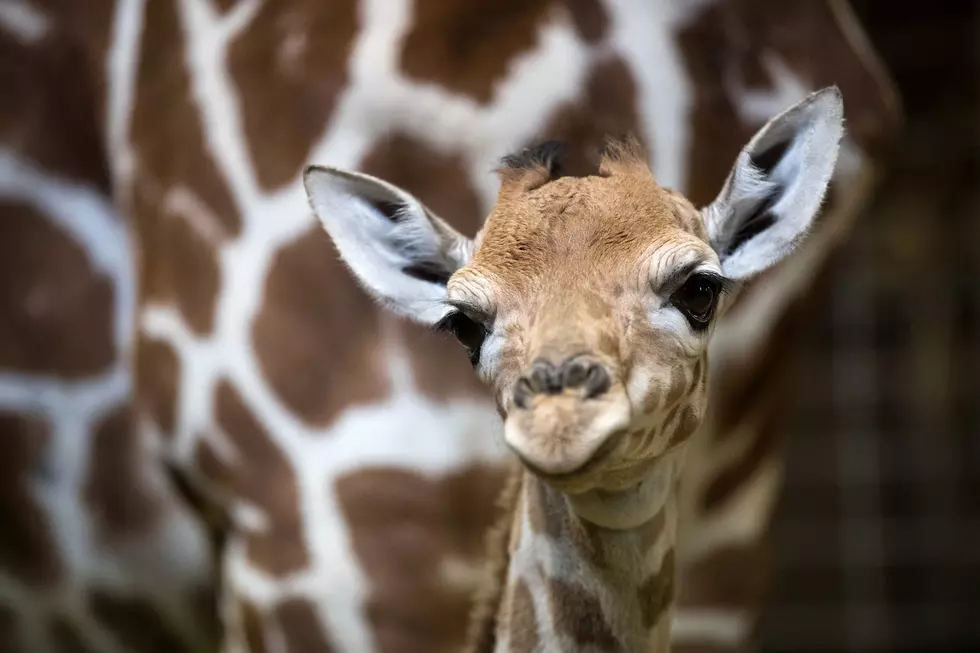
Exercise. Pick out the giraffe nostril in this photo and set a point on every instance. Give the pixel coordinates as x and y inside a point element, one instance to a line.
<point>597,381</point>
<point>574,374</point>
<point>544,378</point>
<point>522,393</point>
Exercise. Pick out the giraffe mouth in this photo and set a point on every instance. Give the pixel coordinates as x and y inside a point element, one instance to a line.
<point>571,480</point>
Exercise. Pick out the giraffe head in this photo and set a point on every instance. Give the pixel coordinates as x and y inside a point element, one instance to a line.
<point>587,303</point>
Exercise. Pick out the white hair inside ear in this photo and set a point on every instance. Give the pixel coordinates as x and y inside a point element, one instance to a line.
<point>776,186</point>
<point>400,251</point>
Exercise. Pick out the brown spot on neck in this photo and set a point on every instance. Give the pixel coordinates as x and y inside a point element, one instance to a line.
<point>406,529</point>
<point>523,623</point>
<point>157,376</point>
<point>115,491</point>
<point>178,263</point>
<point>57,308</point>
<point>578,614</point>
<point>290,67</point>
<point>253,626</point>
<point>547,510</point>
<point>481,634</point>
<point>182,207</point>
<point>657,592</point>
<point>302,630</point>
<point>263,477</point>
<point>317,334</point>
<point>167,132</point>
<point>468,47</point>
<point>590,19</point>
<point>28,550</point>
<point>39,82</point>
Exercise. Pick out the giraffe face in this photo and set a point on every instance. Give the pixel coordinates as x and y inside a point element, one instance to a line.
<point>586,304</point>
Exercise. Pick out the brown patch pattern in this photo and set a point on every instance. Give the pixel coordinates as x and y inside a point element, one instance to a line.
<point>317,336</point>
<point>404,527</point>
<point>57,309</point>
<point>167,131</point>
<point>252,626</point>
<point>468,47</point>
<point>28,551</point>
<point>545,514</point>
<point>657,591</point>
<point>523,623</point>
<point>301,627</point>
<point>590,19</point>
<point>136,624</point>
<point>115,492</point>
<point>39,82</point>
<point>290,67</point>
<point>224,5</point>
<point>157,379</point>
<point>481,634</point>
<point>178,260</point>
<point>179,265</point>
<point>717,134</point>
<point>607,107</point>
<point>579,615</point>
<point>264,478</point>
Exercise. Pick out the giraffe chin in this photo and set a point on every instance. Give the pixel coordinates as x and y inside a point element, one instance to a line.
<point>568,442</point>
<point>634,505</point>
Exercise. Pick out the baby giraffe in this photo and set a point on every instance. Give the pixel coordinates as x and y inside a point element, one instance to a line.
<point>586,305</point>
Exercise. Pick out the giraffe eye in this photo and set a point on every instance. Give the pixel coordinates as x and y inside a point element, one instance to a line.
<point>468,331</point>
<point>697,299</point>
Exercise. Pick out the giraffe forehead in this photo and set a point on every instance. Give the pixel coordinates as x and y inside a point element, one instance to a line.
<point>589,226</point>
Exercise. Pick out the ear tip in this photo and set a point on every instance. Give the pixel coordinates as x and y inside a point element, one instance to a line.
<point>310,172</point>
<point>831,97</point>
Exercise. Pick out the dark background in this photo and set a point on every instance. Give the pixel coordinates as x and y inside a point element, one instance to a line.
<point>878,531</point>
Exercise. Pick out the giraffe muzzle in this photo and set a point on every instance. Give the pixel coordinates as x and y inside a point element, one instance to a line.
<point>580,375</point>
<point>565,417</point>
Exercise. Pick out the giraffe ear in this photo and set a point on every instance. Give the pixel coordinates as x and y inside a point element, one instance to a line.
<point>400,251</point>
<point>775,189</point>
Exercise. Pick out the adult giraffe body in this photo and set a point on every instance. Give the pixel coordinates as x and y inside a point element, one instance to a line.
<point>358,476</point>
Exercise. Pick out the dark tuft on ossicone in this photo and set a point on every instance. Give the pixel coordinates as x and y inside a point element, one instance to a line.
<point>546,155</point>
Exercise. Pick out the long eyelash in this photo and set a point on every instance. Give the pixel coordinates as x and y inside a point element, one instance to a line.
<point>725,285</point>
<point>444,324</point>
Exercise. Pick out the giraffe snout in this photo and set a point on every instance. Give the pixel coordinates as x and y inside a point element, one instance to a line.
<point>579,374</point>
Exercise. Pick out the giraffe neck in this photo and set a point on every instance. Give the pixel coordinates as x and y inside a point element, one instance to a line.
<point>572,584</point>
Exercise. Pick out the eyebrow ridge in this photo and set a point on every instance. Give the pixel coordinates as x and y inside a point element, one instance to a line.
<point>677,278</point>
